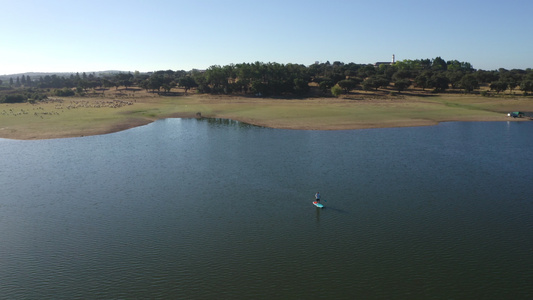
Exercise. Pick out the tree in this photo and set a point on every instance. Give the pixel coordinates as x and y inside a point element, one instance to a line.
<point>387,71</point>
<point>423,80</point>
<point>217,78</point>
<point>366,71</point>
<point>455,65</point>
<point>106,83</point>
<point>375,82</point>
<point>347,85</point>
<point>187,83</point>
<point>369,84</point>
<point>526,86</point>
<point>199,78</point>
<point>513,77</point>
<point>167,86</point>
<point>439,82</point>
<point>382,82</point>
<point>498,86</point>
<point>438,64</point>
<point>83,85</point>
<point>512,85</point>
<point>425,64</point>
<point>454,77</point>
<point>301,86</point>
<point>325,85</point>
<point>469,83</point>
<point>121,79</point>
<point>155,83</point>
<point>402,84</point>
<point>486,76</point>
<point>401,74</point>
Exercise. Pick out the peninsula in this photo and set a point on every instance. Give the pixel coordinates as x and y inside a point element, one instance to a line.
<point>123,108</point>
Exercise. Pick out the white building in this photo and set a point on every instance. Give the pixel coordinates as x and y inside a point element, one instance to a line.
<point>379,63</point>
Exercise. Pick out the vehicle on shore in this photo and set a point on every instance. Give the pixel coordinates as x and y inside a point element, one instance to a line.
<point>516,114</point>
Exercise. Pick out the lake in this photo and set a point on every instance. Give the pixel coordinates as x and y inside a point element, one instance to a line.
<point>218,209</point>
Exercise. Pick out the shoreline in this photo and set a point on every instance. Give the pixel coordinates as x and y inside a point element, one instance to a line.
<point>78,117</point>
<point>362,126</point>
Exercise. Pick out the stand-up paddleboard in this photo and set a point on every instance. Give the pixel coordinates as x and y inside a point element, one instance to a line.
<point>318,204</point>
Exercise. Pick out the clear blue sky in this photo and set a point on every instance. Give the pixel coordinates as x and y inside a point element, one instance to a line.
<point>86,36</point>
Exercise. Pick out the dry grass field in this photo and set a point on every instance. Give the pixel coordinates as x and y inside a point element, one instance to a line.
<point>121,109</point>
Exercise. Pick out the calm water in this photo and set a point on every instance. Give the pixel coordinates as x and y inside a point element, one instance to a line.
<point>212,209</point>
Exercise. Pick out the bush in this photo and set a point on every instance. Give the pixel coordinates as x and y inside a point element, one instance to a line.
<point>14,98</point>
<point>65,92</point>
<point>37,96</point>
<point>336,90</point>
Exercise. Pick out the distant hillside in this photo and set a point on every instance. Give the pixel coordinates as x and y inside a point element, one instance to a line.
<point>36,75</point>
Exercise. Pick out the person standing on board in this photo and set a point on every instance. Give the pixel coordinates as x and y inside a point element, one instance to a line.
<point>317,197</point>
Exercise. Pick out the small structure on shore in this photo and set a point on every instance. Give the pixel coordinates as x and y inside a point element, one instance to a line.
<point>516,114</point>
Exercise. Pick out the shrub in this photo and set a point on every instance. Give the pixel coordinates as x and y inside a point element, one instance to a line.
<point>336,90</point>
<point>65,92</point>
<point>14,98</point>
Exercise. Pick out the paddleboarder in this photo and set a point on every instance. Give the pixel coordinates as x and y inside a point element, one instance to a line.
<point>317,197</point>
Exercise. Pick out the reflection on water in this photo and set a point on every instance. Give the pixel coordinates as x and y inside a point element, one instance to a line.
<point>202,209</point>
<point>227,122</point>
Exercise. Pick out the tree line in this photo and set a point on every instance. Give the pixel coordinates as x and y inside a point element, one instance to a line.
<point>275,79</point>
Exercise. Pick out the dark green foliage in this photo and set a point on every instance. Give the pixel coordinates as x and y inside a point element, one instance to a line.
<point>402,84</point>
<point>122,79</point>
<point>14,98</point>
<point>401,74</point>
<point>347,85</point>
<point>19,95</point>
<point>375,82</point>
<point>439,82</point>
<point>187,82</point>
<point>486,76</point>
<point>423,80</point>
<point>454,77</point>
<point>257,78</point>
<point>369,84</point>
<point>527,86</point>
<point>469,83</point>
<point>325,85</point>
<point>64,92</point>
<point>275,79</point>
<point>301,86</point>
<point>498,86</point>
<point>439,64</point>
